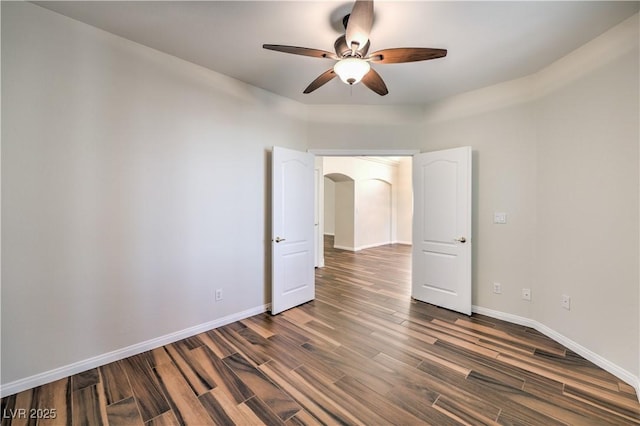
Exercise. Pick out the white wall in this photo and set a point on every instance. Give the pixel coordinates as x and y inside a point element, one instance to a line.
<point>344,219</point>
<point>587,198</point>
<point>329,207</point>
<point>370,208</point>
<point>335,127</point>
<point>404,213</point>
<point>133,185</point>
<point>373,213</point>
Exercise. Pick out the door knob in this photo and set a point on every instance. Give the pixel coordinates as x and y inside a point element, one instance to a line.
<point>461,240</point>
<point>279,240</point>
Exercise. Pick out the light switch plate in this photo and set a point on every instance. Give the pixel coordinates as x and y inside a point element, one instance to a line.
<point>500,218</point>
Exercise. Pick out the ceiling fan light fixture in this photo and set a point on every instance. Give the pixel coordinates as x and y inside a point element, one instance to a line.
<point>351,70</point>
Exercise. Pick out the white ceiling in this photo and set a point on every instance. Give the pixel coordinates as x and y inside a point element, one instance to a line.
<point>487,42</point>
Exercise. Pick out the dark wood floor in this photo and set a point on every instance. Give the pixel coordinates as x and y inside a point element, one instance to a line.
<point>362,353</point>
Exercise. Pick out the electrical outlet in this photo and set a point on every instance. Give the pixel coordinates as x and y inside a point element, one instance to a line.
<point>497,288</point>
<point>526,293</point>
<point>566,302</point>
<point>218,295</point>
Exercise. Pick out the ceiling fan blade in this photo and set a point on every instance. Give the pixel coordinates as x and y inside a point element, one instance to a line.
<point>360,23</point>
<point>304,51</point>
<point>374,82</point>
<point>406,54</point>
<point>324,78</point>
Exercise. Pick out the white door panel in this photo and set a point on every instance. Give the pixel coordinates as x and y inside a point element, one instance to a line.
<point>441,272</point>
<point>293,254</point>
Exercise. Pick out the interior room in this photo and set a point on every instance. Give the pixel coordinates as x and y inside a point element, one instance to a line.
<point>138,227</point>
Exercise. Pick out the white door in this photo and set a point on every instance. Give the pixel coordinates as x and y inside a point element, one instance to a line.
<point>292,216</point>
<point>441,264</point>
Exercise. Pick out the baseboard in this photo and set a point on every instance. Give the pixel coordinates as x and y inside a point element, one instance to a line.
<point>97,361</point>
<point>329,234</point>
<point>515,319</point>
<point>368,246</point>
<point>404,243</point>
<point>600,361</point>
<point>359,247</point>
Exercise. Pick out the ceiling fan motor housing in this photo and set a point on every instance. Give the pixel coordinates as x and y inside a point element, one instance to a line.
<point>343,50</point>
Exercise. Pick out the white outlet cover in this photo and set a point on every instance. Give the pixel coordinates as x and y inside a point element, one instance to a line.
<point>500,218</point>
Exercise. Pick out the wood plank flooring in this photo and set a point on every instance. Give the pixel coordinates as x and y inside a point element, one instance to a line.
<point>362,353</point>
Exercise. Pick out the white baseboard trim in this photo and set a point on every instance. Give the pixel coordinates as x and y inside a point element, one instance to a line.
<point>406,243</point>
<point>589,355</point>
<point>330,234</point>
<point>97,361</point>
<point>367,246</point>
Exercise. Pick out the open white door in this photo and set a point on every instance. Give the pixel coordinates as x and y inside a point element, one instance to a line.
<point>292,215</point>
<point>441,270</point>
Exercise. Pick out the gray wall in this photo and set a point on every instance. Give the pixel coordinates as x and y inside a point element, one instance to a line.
<point>329,207</point>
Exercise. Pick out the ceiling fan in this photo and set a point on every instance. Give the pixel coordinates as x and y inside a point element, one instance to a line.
<point>351,51</point>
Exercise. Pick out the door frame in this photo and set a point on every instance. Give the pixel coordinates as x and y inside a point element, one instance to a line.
<point>364,152</point>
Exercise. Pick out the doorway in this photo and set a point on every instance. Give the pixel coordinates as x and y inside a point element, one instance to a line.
<point>367,201</point>
<point>441,240</point>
